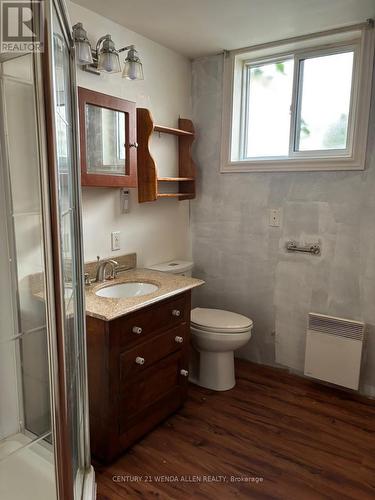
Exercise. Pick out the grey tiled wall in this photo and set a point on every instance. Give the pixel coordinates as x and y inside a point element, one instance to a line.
<point>243,260</point>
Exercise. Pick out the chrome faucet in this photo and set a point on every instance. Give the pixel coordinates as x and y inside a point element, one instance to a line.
<point>101,269</point>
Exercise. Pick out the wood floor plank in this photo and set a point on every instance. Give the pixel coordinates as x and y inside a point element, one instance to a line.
<point>305,440</point>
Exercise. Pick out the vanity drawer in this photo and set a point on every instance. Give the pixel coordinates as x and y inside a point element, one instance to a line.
<point>137,326</point>
<point>152,385</point>
<point>139,358</point>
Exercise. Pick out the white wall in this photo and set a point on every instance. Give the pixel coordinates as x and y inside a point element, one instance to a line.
<point>243,260</point>
<point>159,230</point>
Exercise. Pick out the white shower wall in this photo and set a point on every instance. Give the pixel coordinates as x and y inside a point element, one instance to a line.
<point>9,409</point>
<point>25,395</point>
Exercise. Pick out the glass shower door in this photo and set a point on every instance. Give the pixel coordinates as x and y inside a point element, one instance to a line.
<point>44,437</point>
<point>27,468</point>
<point>67,244</point>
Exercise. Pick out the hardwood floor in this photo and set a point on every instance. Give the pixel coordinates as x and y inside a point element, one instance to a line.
<point>301,439</point>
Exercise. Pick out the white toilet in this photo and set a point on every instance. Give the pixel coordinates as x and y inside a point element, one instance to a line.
<point>215,335</point>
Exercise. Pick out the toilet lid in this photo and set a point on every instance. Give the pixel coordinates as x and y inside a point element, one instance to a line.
<point>219,321</point>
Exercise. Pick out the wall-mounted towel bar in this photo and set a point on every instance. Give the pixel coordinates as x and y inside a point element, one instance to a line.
<point>313,248</point>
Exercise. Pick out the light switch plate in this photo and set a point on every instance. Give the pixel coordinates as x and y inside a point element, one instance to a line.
<point>275,217</point>
<point>125,200</point>
<point>115,240</point>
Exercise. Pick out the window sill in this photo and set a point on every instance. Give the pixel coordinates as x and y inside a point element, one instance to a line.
<point>290,165</point>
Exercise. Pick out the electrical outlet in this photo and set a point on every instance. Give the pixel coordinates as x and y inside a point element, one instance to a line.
<point>115,240</point>
<point>275,217</point>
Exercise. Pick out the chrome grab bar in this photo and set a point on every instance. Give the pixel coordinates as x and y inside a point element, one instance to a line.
<point>313,248</point>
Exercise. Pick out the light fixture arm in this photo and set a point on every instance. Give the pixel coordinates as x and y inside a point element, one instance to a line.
<point>98,43</point>
<point>128,47</point>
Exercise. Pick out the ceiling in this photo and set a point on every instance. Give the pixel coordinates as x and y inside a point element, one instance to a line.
<point>201,27</point>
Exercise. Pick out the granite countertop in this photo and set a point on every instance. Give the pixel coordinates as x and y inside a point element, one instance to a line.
<point>108,309</point>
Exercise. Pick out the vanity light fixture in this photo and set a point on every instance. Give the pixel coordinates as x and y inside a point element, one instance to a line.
<point>105,57</point>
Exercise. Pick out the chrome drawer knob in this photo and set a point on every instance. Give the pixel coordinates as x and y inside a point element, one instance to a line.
<point>176,313</point>
<point>178,339</point>
<point>184,373</point>
<point>139,360</point>
<point>137,330</point>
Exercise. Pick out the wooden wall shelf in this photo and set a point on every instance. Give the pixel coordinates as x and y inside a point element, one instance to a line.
<point>173,131</point>
<point>184,196</point>
<point>148,180</point>
<point>175,179</point>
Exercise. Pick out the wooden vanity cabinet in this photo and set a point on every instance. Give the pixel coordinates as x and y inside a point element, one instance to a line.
<point>137,372</point>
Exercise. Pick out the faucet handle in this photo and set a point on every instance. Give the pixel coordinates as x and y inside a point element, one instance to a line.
<point>115,265</point>
<point>87,279</point>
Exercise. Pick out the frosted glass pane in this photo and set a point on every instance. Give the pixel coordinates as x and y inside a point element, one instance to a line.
<point>28,473</point>
<point>19,67</point>
<point>9,397</point>
<point>325,103</point>
<point>268,112</point>
<point>22,144</point>
<point>37,405</point>
<point>6,304</point>
<point>28,240</point>
<point>35,376</point>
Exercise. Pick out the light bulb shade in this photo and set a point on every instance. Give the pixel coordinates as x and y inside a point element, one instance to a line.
<point>133,69</point>
<point>82,44</point>
<point>83,53</point>
<point>109,62</point>
<point>108,58</point>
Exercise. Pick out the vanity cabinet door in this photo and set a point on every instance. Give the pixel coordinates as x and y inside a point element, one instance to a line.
<point>108,140</point>
<point>157,389</point>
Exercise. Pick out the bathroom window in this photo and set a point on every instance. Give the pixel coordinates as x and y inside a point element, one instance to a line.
<point>298,106</point>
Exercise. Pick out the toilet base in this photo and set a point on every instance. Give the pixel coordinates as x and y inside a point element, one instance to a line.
<point>216,370</point>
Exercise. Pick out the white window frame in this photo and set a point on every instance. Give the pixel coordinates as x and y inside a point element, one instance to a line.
<point>361,42</point>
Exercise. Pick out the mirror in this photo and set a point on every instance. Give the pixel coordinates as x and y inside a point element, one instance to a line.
<point>105,140</point>
<point>108,140</point>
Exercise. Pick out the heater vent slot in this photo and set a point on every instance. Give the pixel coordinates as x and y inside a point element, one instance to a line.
<point>336,326</point>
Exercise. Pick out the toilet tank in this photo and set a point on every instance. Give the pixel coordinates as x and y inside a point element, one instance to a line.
<point>182,267</point>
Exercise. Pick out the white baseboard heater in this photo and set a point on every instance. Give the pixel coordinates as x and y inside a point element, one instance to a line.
<point>334,350</point>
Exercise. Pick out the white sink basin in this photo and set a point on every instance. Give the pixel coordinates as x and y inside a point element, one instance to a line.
<point>127,290</point>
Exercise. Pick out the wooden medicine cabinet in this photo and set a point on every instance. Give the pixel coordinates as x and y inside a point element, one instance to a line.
<point>108,140</point>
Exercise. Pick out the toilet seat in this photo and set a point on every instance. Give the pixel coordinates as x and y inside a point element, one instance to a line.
<point>219,321</point>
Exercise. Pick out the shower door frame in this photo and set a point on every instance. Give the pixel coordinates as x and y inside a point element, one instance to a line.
<point>54,281</point>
